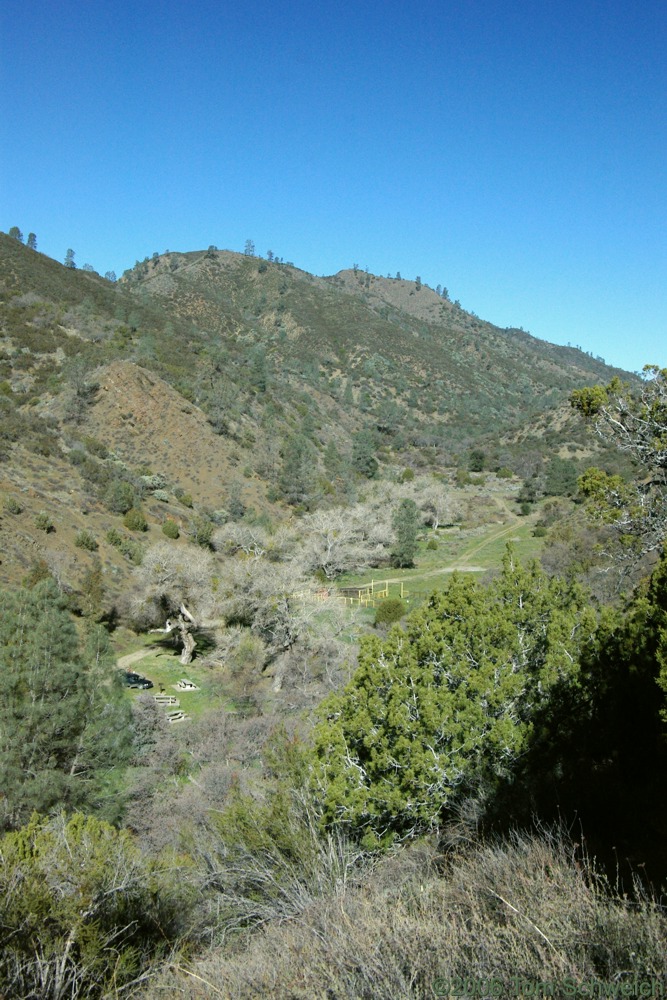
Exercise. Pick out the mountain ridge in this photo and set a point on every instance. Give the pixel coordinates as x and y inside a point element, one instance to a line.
<point>243,366</point>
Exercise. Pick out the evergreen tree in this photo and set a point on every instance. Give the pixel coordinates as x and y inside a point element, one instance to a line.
<point>297,476</point>
<point>16,234</point>
<point>31,242</point>
<point>64,721</point>
<point>444,705</point>
<point>477,460</point>
<point>363,454</point>
<point>635,420</point>
<point>561,477</point>
<point>406,525</point>
<point>259,369</point>
<point>69,259</point>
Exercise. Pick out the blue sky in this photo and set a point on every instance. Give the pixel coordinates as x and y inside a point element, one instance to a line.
<point>514,152</point>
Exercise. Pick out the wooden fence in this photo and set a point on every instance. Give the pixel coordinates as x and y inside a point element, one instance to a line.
<point>368,595</point>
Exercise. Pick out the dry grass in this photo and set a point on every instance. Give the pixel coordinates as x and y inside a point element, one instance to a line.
<point>526,907</point>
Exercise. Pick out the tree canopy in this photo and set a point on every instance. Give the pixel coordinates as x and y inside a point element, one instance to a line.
<point>446,702</point>
<point>635,420</point>
<point>64,720</point>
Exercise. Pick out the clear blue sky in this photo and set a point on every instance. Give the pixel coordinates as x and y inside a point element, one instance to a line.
<point>514,152</point>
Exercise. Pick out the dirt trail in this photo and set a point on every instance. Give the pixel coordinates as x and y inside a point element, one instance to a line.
<point>126,661</point>
<point>487,541</point>
<point>462,564</point>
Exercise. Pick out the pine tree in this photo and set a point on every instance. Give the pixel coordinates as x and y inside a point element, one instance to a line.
<point>406,526</point>
<point>297,476</point>
<point>52,693</point>
<point>363,454</point>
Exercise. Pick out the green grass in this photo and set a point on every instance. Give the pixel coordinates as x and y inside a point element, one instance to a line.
<point>482,550</point>
<point>162,666</point>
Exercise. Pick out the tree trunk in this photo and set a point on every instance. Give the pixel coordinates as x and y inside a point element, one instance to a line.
<point>188,641</point>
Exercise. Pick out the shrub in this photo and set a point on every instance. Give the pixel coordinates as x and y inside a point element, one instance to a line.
<point>539,531</point>
<point>12,506</point>
<point>432,544</point>
<point>130,549</point>
<point>95,447</point>
<point>43,522</point>
<point>84,911</point>
<point>504,473</point>
<point>120,496</point>
<point>114,538</point>
<point>200,529</point>
<point>86,540</point>
<point>407,476</point>
<point>480,900</point>
<point>170,529</point>
<point>134,520</point>
<point>389,611</point>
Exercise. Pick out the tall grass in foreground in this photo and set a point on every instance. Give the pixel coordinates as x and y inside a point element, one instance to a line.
<point>528,907</point>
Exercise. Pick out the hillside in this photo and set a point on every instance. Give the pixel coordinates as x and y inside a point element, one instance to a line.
<point>413,364</point>
<point>228,379</point>
<point>334,523</point>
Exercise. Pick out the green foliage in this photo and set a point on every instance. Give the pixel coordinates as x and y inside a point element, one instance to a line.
<point>268,857</point>
<point>363,454</point>
<point>86,540</point>
<point>406,526</point>
<point>43,522</point>
<point>297,479</point>
<point>135,520</point>
<point>589,401</point>
<point>11,505</point>
<point>129,548</point>
<point>84,911</point>
<point>598,747</point>
<point>561,477</point>
<point>95,447</point>
<point>120,496</point>
<point>635,420</point>
<point>170,529</point>
<point>65,720</point>
<point>477,461</point>
<point>446,703</point>
<point>504,472</point>
<point>200,529</point>
<point>389,611</point>
<point>406,476</point>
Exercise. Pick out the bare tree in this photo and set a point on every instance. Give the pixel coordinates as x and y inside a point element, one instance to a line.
<point>175,586</point>
<point>345,538</point>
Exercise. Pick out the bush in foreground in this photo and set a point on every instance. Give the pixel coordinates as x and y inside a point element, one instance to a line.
<point>84,912</point>
<point>526,909</point>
